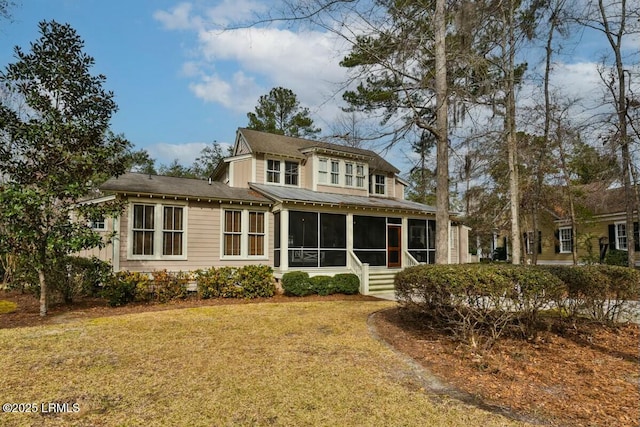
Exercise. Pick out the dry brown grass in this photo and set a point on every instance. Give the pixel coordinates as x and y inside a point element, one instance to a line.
<point>294,364</point>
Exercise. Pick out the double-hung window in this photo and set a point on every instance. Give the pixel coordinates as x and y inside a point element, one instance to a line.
<point>172,233</point>
<point>157,230</point>
<point>273,171</point>
<point>282,172</point>
<point>360,176</point>
<point>322,171</point>
<point>621,236</point>
<point>244,234</point>
<point>379,184</point>
<point>232,232</point>
<point>143,229</point>
<point>348,174</point>
<point>566,240</point>
<point>291,173</point>
<point>256,233</point>
<point>335,172</point>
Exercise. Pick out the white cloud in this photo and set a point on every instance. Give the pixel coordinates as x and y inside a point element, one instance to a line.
<point>305,62</point>
<point>178,18</point>
<point>185,153</point>
<point>231,11</point>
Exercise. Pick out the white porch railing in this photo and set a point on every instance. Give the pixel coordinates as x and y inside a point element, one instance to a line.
<point>410,261</point>
<point>361,270</point>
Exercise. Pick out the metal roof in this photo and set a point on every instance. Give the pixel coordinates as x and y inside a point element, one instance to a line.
<point>268,143</point>
<point>139,183</point>
<point>289,194</point>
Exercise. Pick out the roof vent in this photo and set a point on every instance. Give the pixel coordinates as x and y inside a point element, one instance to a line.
<point>209,180</point>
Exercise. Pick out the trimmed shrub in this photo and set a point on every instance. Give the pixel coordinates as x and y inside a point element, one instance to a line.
<point>478,302</point>
<point>297,283</point>
<point>616,257</point>
<point>250,281</point>
<point>125,287</point>
<point>322,285</point>
<point>624,290</point>
<point>587,290</point>
<point>167,286</point>
<point>346,283</point>
<point>256,281</point>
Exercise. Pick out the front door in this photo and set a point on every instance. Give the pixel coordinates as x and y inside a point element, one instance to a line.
<point>394,246</point>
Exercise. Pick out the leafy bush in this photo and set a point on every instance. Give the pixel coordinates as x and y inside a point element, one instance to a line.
<point>125,287</point>
<point>256,281</point>
<point>250,281</point>
<point>297,283</point>
<point>346,283</point>
<point>478,302</point>
<point>321,285</point>
<point>68,277</point>
<point>616,257</point>
<point>587,290</point>
<point>624,287</point>
<point>167,286</point>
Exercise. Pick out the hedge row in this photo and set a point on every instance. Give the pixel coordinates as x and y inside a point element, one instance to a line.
<point>250,281</point>
<point>479,302</point>
<point>298,283</point>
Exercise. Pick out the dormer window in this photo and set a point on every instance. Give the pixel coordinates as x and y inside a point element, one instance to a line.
<point>291,173</point>
<point>273,171</point>
<point>360,176</point>
<point>348,174</point>
<point>282,172</point>
<point>335,172</point>
<point>378,184</point>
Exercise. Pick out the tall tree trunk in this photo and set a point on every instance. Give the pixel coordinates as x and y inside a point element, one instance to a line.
<point>512,143</point>
<point>43,292</point>
<point>442,158</point>
<point>615,41</point>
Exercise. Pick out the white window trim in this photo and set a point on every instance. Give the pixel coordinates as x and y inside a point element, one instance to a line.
<point>158,222</point>
<point>282,172</point>
<point>375,185</point>
<point>244,235</point>
<point>324,176</point>
<point>560,240</point>
<point>618,236</point>
<point>98,225</point>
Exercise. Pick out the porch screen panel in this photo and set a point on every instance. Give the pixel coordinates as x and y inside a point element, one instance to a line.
<point>303,239</point>
<point>370,239</point>
<point>333,240</point>
<point>422,240</point>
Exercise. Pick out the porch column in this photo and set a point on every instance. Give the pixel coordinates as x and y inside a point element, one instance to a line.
<point>284,240</point>
<point>349,239</point>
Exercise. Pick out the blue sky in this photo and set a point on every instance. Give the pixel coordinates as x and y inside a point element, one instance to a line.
<point>180,83</point>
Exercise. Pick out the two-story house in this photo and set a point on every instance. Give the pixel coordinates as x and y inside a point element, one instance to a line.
<point>290,203</point>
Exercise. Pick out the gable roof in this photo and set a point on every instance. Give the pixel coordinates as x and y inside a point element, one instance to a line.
<point>287,146</point>
<point>288,194</point>
<point>169,186</point>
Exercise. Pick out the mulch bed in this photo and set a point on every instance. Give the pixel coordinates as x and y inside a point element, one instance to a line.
<point>587,375</point>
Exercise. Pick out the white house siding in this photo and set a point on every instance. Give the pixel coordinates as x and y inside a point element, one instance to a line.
<point>203,237</point>
<point>105,253</point>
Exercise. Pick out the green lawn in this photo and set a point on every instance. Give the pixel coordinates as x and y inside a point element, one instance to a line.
<point>291,364</point>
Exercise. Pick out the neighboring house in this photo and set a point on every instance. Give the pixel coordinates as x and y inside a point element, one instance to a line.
<point>290,203</point>
<point>601,227</point>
